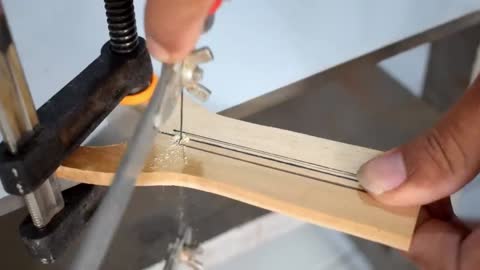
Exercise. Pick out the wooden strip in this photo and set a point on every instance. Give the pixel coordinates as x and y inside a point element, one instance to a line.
<point>308,178</point>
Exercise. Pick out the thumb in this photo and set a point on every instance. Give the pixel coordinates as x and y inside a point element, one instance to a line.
<point>173,27</point>
<point>435,164</point>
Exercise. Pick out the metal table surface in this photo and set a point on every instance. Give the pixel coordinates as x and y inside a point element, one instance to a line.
<point>259,46</point>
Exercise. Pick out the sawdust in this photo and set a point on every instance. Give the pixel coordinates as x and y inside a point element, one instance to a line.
<point>174,156</point>
<point>171,155</point>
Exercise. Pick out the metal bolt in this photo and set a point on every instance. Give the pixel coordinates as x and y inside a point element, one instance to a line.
<point>121,25</point>
<point>192,74</point>
<point>19,188</point>
<point>197,74</point>
<point>199,91</point>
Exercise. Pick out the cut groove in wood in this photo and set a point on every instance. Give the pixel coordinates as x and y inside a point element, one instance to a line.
<point>301,176</point>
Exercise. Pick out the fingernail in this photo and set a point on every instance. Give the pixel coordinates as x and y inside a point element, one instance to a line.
<point>383,173</point>
<point>158,51</point>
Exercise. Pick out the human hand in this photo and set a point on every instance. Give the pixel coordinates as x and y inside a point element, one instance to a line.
<point>426,171</point>
<point>173,27</point>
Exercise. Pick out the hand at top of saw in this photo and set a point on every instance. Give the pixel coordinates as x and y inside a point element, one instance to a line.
<point>426,171</point>
<point>173,27</point>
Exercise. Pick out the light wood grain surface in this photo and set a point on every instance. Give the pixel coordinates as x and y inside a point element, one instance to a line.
<point>305,177</point>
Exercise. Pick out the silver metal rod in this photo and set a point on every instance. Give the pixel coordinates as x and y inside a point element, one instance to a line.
<point>18,118</point>
<point>17,111</point>
<point>45,202</point>
<point>107,218</point>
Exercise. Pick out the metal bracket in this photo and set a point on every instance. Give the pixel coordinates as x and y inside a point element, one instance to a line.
<point>183,251</point>
<point>49,242</point>
<point>192,74</point>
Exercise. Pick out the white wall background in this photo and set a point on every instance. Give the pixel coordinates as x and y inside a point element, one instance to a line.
<point>260,45</point>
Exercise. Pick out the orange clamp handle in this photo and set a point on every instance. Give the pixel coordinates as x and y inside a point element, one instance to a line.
<point>141,97</point>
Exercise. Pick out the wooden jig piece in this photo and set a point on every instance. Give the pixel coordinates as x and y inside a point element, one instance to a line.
<point>301,176</point>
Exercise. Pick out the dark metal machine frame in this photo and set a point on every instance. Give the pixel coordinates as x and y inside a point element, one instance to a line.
<point>64,122</point>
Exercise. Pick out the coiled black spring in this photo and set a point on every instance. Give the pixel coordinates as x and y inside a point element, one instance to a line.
<point>121,25</point>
